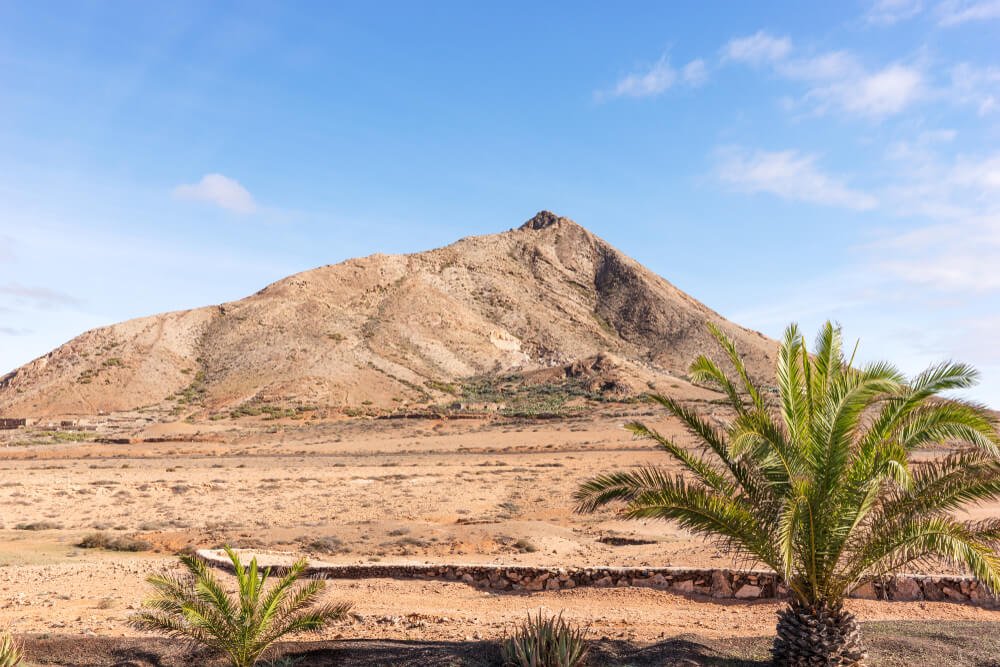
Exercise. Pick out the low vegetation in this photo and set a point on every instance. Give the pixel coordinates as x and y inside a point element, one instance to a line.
<point>819,487</point>
<point>545,641</point>
<point>102,540</point>
<point>38,525</point>
<point>517,398</point>
<point>10,651</point>
<point>197,607</point>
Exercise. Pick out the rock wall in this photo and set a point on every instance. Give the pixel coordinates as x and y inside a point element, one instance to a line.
<point>713,583</point>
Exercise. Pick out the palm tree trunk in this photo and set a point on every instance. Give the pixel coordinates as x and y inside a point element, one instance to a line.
<point>817,635</point>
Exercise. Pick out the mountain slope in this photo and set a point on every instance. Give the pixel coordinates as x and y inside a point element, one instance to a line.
<point>393,330</point>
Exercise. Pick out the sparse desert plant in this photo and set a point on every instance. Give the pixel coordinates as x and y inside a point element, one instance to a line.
<point>113,542</point>
<point>38,525</point>
<point>11,654</point>
<point>545,641</point>
<point>197,607</point>
<point>524,545</point>
<point>819,486</point>
<point>327,544</point>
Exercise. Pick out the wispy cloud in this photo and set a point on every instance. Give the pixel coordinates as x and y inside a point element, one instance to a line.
<point>889,12</point>
<point>219,190</point>
<point>960,250</point>
<point>884,92</point>
<point>835,80</point>
<point>957,12</point>
<point>40,297</point>
<point>790,175</point>
<point>656,79</point>
<point>758,49</point>
<point>976,86</point>
<point>12,331</point>
<point>695,72</point>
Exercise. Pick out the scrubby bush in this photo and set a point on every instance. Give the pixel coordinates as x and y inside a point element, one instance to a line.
<point>113,542</point>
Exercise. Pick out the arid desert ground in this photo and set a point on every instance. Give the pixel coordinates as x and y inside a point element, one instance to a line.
<point>483,490</point>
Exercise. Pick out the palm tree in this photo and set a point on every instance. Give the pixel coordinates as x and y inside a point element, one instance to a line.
<point>195,606</point>
<point>819,486</point>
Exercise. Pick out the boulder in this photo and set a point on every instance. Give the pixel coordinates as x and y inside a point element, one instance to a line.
<point>906,588</point>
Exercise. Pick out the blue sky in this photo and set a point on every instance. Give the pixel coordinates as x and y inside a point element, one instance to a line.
<point>775,162</point>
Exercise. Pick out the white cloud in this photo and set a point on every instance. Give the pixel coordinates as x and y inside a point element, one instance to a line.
<point>888,12</point>
<point>960,250</point>
<point>220,190</point>
<point>882,93</point>
<point>963,188</point>
<point>695,72</point>
<point>657,79</point>
<point>757,49</point>
<point>789,175</point>
<point>835,80</point>
<point>838,81</point>
<point>976,86</point>
<point>829,66</point>
<point>654,81</point>
<point>956,12</point>
<point>958,257</point>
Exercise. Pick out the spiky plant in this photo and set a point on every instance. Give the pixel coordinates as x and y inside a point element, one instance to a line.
<point>817,482</point>
<point>197,607</point>
<point>545,641</point>
<point>10,651</point>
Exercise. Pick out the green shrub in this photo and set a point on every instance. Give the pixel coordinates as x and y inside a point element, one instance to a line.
<point>542,641</point>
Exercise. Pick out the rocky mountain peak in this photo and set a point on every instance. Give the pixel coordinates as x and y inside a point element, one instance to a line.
<point>544,220</point>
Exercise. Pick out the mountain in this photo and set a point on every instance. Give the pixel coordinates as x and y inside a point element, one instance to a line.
<point>542,303</point>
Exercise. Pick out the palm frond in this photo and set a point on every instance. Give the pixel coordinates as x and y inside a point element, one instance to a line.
<point>791,383</point>
<point>729,521</point>
<point>701,468</point>
<point>705,371</point>
<point>618,487</point>
<point>729,347</point>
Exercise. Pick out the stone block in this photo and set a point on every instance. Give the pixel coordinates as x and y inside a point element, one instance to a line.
<point>905,588</point>
<point>748,591</point>
<point>721,588</point>
<point>686,586</point>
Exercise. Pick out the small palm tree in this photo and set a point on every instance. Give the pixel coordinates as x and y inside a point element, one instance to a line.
<point>197,607</point>
<point>819,486</point>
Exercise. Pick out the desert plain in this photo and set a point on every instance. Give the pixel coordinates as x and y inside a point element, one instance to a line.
<point>363,490</point>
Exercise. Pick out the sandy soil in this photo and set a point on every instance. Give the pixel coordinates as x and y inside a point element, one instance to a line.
<point>359,491</point>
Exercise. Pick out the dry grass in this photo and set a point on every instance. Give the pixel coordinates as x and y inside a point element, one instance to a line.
<point>113,542</point>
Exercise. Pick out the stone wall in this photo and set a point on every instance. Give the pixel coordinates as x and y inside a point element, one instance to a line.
<point>709,583</point>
